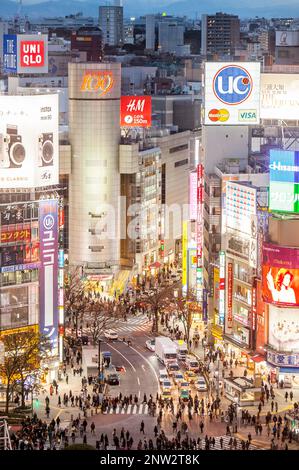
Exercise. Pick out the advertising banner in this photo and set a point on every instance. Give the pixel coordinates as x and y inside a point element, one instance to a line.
<point>21,233</point>
<point>284,181</point>
<point>241,221</point>
<point>29,148</point>
<point>193,195</point>
<point>280,275</point>
<point>48,272</point>
<point>232,93</point>
<point>25,53</point>
<point>199,230</point>
<point>284,328</point>
<point>261,337</point>
<point>229,319</point>
<point>184,255</point>
<point>287,38</point>
<point>136,111</point>
<point>279,96</point>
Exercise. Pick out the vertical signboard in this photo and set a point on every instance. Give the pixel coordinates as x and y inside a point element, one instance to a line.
<point>184,255</point>
<point>10,53</point>
<point>199,232</point>
<point>193,195</point>
<point>229,319</point>
<point>48,273</point>
<point>222,288</point>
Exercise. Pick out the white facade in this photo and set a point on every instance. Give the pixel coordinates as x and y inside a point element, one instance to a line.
<point>94,134</point>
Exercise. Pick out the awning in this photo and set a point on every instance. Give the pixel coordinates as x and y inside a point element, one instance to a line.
<point>257,358</point>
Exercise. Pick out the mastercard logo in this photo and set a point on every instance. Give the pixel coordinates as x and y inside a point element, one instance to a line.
<point>221,115</point>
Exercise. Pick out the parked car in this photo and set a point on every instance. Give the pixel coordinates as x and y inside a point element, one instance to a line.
<point>201,385</point>
<point>150,344</point>
<point>190,376</point>
<point>178,377</point>
<point>111,334</point>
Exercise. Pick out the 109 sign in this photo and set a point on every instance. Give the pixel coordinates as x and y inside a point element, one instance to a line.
<point>232,84</point>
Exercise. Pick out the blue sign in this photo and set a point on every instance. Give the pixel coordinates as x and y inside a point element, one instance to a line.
<point>284,166</point>
<point>232,84</point>
<point>61,258</point>
<point>10,53</point>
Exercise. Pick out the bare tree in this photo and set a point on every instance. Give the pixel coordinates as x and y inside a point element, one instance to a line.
<point>182,306</point>
<point>102,316</point>
<point>158,299</point>
<point>74,296</point>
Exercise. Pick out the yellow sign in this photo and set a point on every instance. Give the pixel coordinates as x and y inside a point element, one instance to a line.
<point>19,330</point>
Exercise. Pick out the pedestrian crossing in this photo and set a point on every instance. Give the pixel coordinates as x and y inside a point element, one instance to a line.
<point>141,409</point>
<point>226,445</point>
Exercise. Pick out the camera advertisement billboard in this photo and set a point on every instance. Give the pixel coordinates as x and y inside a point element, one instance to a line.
<point>232,93</point>
<point>29,145</point>
<point>136,111</point>
<point>280,275</point>
<point>25,53</point>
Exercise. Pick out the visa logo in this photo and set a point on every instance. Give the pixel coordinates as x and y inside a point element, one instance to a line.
<point>247,115</point>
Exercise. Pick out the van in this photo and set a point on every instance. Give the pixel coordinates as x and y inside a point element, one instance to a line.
<point>182,349</point>
<point>287,381</point>
<point>192,363</point>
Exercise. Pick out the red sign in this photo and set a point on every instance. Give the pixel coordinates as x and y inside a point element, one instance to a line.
<point>253,308</point>
<point>32,54</point>
<point>230,295</point>
<point>22,234</point>
<point>136,111</point>
<point>97,81</point>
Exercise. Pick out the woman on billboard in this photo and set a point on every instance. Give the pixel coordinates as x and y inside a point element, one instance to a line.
<point>280,288</point>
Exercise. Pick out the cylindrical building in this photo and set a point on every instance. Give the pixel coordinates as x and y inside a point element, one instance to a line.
<point>94,130</point>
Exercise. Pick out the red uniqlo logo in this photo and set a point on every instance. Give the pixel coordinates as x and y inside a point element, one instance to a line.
<point>32,53</point>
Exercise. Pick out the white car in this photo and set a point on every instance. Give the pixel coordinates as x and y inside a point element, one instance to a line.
<point>111,334</point>
<point>200,384</point>
<point>150,344</point>
<point>163,375</point>
<point>166,385</point>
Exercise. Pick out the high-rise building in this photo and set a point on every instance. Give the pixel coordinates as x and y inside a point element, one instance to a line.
<point>94,133</point>
<point>171,35</point>
<point>112,25</point>
<point>220,34</point>
<point>150,36</point>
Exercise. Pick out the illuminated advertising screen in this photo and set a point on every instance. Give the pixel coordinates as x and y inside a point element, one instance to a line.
<point>48,272</point>
<point>279,96</point>
<point>135,111</point>
<point>29,149</point>
<point>280,275</point>
<point>25,53</point>
<point>241,221</point>
<point>284,328</point>
<point>284,181</point>
<point>99,82</point>
<point>232,93</point>
<point>193,195</point>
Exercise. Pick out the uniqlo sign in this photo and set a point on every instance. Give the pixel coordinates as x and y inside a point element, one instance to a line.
<point>136,111</point>
<point>25,53</point>
<point>32,53</point>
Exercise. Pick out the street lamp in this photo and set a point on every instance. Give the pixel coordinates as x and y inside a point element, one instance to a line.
<point>100,363</point>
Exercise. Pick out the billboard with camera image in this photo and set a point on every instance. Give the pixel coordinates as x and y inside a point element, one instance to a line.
<point>29,146</point>
<point>280,275</point>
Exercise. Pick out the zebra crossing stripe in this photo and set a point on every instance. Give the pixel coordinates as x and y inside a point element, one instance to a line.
<point>123,411</point>
<point>134,411</point>
<point>129,409</point>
